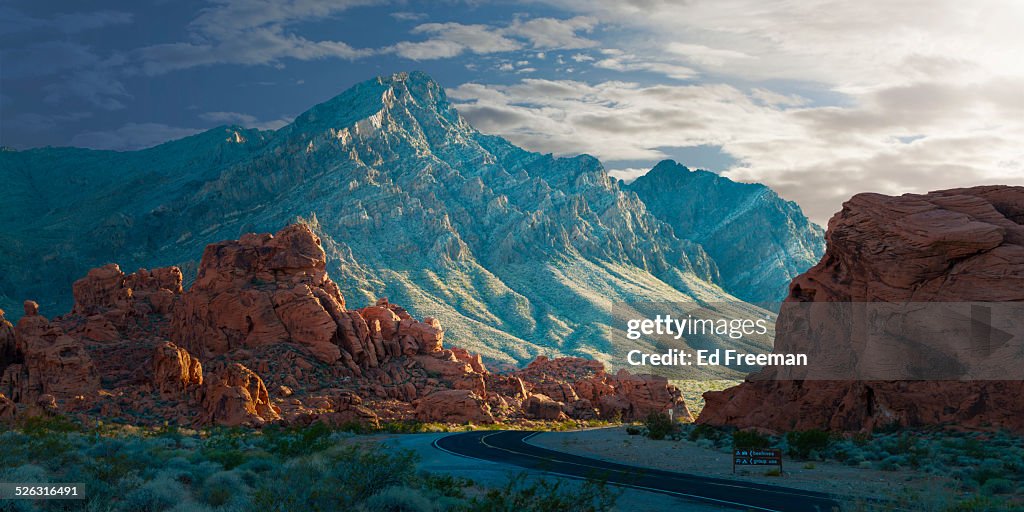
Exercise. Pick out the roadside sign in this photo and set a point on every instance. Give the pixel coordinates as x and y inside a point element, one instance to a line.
<point>757,457</point>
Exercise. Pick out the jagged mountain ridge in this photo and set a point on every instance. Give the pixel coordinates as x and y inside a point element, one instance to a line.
<point>518,253</point>
<point>758,240</point>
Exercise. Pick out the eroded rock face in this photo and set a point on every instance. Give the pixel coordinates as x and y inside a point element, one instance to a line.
<point>263,336</point>
<point>54,363</point>
<point>7,409</point>
<point>111,301</point>
<point>960,245</point>
<point>175,372</point>
<point>236,396</point>
<point>454,406</point>
<point>585,389</point>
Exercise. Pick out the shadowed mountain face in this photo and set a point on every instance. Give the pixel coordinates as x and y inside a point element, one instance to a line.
<point>758,240</point>
<point>517,253</point>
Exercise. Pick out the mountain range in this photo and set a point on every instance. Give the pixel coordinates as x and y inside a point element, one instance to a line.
<point>517,253</point>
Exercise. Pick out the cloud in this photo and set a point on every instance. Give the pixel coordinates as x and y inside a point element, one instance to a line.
<point>13,21</point>
<point>131,136</point>
<point>250,32</point>
<point>447,40</point>
<point>818,156</point>
<point>767,97</point>
<point>555,34</point>
<point>627,62</point>
<point>408,16</point>
<point>849,46</point>
<point>452,39</point>
<point>628,174</point>
<point>245,120</point>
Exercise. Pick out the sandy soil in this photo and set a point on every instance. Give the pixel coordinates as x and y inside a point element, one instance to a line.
<point>614,444</point>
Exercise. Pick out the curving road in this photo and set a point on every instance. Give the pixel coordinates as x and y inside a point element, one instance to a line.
<point>510,447</point>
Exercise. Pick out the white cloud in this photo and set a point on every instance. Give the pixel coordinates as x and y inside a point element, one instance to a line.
<point>551,33</point>
<point>131,136</point>
<point>447,40</point>
<point>845,45</point>
<point>626,62</point>
<point>408,16</point>
<point>628,174</point>
<point>818,156</point>
<point>452,39</point>
<point>251,32</point>
<point>581,57</point>
<point>244,120</point>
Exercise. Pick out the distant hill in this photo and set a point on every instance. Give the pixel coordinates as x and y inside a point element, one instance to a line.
<point>759,241</point>
<point>517,253</point>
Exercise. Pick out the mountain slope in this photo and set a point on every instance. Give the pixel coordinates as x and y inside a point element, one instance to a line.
<point>517,253</point>
<point>758,240</point>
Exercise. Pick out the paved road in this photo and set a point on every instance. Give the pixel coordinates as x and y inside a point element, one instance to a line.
<point>509,447</point>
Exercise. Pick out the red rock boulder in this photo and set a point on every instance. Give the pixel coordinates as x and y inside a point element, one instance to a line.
<point>961,245</point>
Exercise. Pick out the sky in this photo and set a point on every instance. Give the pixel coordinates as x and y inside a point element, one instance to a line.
<point>817,99</point>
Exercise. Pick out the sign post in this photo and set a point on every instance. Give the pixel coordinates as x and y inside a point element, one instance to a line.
<point>757,457</point>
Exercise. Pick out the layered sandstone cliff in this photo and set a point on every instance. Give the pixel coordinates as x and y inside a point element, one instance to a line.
<point>962,245</point>
<point>264,335</point>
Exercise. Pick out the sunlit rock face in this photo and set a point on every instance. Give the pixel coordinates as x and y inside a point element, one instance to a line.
<point>518,254</point>
<point>758,241</point>
<point>950,246</point>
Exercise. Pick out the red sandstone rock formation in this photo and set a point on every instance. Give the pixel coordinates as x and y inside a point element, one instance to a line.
<point>7,409</point>
<point>176,373</point>
<point>236,396</point>
<point>586,390</point>
<point>948,246</point>
<point>264,335</point>
<point>54,362</point>
<point>454,406</point>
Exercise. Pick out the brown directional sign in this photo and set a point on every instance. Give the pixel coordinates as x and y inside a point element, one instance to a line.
<point>757,457</point>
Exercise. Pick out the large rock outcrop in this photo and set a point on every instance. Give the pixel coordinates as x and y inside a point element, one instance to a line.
<point>264,335</point>
<point>54,363</point>
<point>948,246</point>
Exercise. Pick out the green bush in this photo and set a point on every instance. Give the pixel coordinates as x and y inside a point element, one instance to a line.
<point>706,432</point>
<point>546,496</point>
<point>997,486</point>
<point>802,443</point>
<point>659,425</point>
<point>750,439</point>
<point>398,499</point>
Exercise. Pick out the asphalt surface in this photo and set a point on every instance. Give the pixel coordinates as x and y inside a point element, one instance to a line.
<point>510,447</point>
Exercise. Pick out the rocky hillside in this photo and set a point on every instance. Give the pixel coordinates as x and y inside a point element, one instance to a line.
<point>264,335</point>
<point>518,253</point>
<point>950,246</point>
<point>758,241</point>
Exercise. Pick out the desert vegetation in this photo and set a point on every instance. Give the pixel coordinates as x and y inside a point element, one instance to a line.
<point>126,468</point>
<point>972,471</point>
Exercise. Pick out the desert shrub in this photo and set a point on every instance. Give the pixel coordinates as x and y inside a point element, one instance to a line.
<point>339,477</point>
<point>750,439</point>
<point>546,496</point>
<point>225,489</point>
<point>706,432</point>
<point>803,443</point>
<point>291,442</point>
<point>997,486</point>
<point>158,494</point>
<point>892,463</point>
<point>633,431</point>
<point>445,484</point>
<point>659,425</point>
<point>398,499</point>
